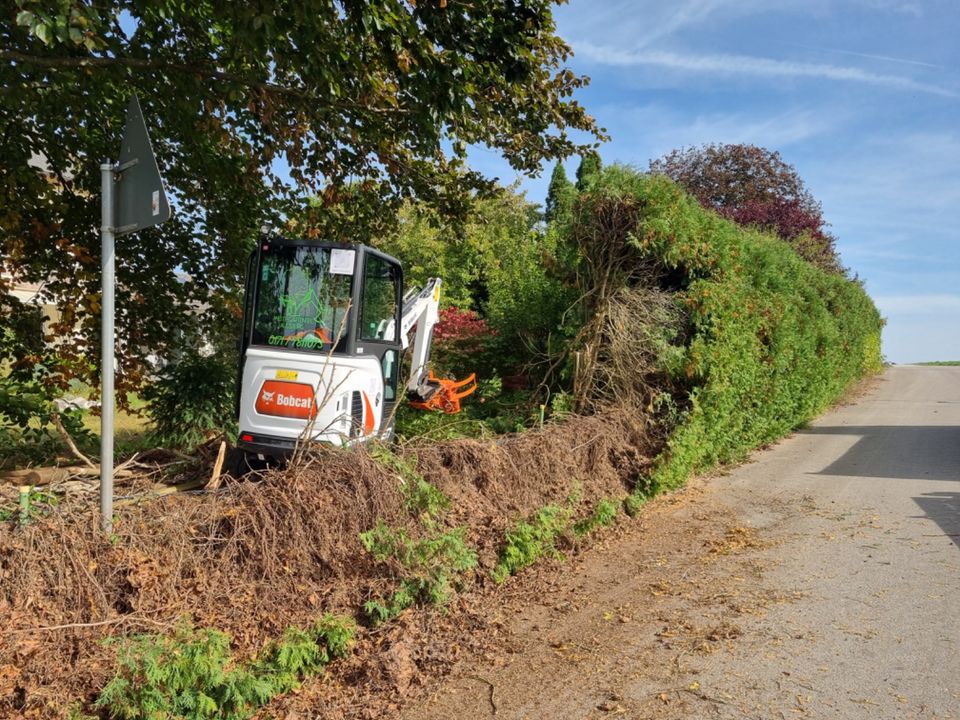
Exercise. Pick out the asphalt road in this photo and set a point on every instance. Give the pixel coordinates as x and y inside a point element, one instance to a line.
<point>878,632</point>
<point>821,579</point>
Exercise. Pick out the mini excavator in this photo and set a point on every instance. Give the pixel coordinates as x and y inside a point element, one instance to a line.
<point>325,330</point>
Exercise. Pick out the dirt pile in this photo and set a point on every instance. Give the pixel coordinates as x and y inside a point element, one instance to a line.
<point>491,483</point>
<point>257,557</point>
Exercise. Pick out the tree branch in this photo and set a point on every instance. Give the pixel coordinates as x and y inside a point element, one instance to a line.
<point>55,417</point>
<point>193,68</point>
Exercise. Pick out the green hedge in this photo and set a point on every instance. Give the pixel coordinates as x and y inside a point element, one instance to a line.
<point>772,340</point>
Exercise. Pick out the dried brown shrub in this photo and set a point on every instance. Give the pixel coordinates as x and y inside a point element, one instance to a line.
<point>629,317</point>
<point>493,483</point>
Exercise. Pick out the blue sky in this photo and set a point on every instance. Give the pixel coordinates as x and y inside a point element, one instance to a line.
<point>861,96</point>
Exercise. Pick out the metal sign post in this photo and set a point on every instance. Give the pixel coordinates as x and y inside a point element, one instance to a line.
<point>107,268</point>
<point>132,198</point>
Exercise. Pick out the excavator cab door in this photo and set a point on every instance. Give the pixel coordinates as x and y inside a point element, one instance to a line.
<point>378,327</point>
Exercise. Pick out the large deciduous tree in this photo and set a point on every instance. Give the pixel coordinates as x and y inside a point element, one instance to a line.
<point>754,186</point>
<point>253,107</point>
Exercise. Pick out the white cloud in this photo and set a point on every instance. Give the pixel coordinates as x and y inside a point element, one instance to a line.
<point>746,65</point>
<point>683,15</point>
<point>918,304</point>
<point>645,22</point>
<point>654,129</point>
<point>871,56</point>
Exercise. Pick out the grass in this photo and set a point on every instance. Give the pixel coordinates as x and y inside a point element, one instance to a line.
<point>941,363</point>
<point>131,430</point>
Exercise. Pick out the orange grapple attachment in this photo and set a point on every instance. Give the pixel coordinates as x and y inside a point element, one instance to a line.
<point>445,395</point>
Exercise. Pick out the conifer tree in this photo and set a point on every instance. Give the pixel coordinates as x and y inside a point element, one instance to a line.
<point>589,168</point>
<point>559,194</point>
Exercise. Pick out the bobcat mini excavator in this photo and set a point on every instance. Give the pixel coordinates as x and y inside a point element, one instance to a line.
<point>324,332</point>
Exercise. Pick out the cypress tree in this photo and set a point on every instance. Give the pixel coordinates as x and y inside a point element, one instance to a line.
<point>558,194</point>
<point>588,170</point>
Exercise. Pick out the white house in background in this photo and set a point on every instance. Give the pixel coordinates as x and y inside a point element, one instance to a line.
<point>29,294</point>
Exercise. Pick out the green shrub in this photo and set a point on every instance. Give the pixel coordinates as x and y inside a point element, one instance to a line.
<point>528,541</point>
<point>191,674</point>
<point>604,514</point>
<point>27,435</point>
<point>432,565</point>
<point>191,400</point>
<point>772,340</point>
<point>422,498</point>
<point>633,503</point>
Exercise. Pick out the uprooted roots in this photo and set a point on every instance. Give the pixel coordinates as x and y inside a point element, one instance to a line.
<point>254,558</point>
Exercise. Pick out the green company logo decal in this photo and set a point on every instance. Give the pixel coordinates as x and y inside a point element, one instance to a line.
<point>294,304</point>
<point>296,310</point>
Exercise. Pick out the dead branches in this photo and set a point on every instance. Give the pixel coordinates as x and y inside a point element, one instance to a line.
<point>629,319</point>
<point>58,424</point>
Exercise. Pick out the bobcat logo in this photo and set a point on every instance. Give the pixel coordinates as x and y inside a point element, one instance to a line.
<point>268,396</point>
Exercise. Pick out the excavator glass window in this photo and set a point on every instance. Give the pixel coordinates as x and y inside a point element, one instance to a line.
<point>303,299</point>
<point>378,305</point>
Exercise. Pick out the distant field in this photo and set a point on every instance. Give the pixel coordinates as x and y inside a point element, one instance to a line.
<point>941,362</point>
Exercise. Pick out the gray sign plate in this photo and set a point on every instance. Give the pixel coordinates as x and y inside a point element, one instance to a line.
<point>140,198</point>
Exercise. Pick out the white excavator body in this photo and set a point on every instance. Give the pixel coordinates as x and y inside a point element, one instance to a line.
<point>321,351</point>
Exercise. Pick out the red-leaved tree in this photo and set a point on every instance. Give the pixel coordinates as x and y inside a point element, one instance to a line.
<point>461,343</point>
<point>754,186</point>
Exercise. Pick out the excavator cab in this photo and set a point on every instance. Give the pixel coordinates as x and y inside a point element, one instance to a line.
<point>325,328</point>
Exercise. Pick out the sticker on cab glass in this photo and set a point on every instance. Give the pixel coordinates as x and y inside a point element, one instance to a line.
<point>342,261</point>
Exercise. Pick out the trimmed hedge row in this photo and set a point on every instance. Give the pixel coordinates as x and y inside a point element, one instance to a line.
<point>772,340</point>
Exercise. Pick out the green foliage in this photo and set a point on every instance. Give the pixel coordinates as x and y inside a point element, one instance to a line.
<point>560,194</point>
<point>432,564</point>
<point>37,504</point>
<point>588,170</point>
<point>634,502</point>
<point>528,541</point>
<point>490,412</point>
<point>498,263</point>
<point>381,97</point>
<point>422,498</point>
<point>180,676</point>
<point>191,400</point>
<point>604,514</point>
<point>562,403</point>
<point>191,674</point>
<point>28,389</point>
<point>772,341</point>
<point>526,300</point>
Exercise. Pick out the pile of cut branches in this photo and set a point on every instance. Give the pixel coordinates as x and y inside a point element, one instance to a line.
<point>256,557</point>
